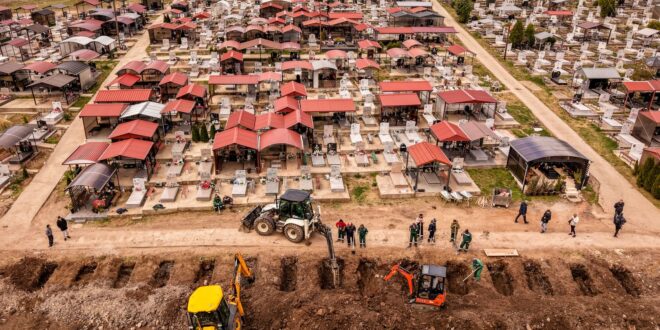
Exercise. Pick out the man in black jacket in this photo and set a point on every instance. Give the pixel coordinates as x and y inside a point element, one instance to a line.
<point>544,220</point>
<point>350,234</point>
<point>432,231</point>
<point>619,220</point>
<point>64,227</point>
<point>522,211</point>
<point>618,207</point>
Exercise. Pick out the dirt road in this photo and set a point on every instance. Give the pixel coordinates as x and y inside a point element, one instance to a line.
<point>26,206</point>
<point>613,185</point>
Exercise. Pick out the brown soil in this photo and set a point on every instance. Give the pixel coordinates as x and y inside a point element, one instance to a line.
<point>150,292</point>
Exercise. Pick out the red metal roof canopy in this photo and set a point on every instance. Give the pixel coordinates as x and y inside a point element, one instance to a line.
<point>183,106</point>
<point>131,148</point>
<point>280,136</point>
<point>137,128</point>
<point>192,89</point>
<point>234,80</point>
<point>127,79</point>
<point>399,100</point>
<point>448,132</point>
<point>425,153</point>
<point>113,110</point>
<point>466,96</point>
<point>406,86</point>
<point>123,96</point>
<point>86,154</point>
<point>177,78</point>
<point>293,88</point>
<point>328,105</point>
<point>241,118</point>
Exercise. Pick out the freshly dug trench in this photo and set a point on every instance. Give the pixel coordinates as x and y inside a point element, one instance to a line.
<point>367,280</point>
<point>583,280</point>
<point>626,279</point>
<point>456,272</point>
<point>536,278</point>
<point>325,274</point>
<point>162,274</point>
<point>502,280</point>
<point>123,274</point>
<point>289,274</point>
<point>30,274</point>
<point>85,272</point>
<point>205,272</point>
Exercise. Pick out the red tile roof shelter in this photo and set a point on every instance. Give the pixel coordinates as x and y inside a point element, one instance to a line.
<point>269,120</point>
<point>400,100</point>
<point>447,132</point>
<point>86,154</point>
<point>233,79</point>
<point>175,78</point>
<point>134,129</point>
<point>280,136</point>
<point>293,88</point>
<point>192,90</point>
<point>180,106</point>
<point>235,135</point>
<point>364,63</point>
<point>103,110</point>
<point>286,104</point>
<point>241,118</point>
<point>40,67</point>
<point>458,50</point>
<point>126,80</point>
<point>468,96</point>
<point>652,86</point>
<point>131,148</point>
<point>328,105</point>
<point>124,96</point>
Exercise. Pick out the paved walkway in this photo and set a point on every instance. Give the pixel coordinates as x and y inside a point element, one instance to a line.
<point>26,206</point>
<point>613,185</point>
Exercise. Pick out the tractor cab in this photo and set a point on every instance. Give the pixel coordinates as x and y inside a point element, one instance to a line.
<point>295,204</point>
<point>431,283</point>
<point>208,310</point>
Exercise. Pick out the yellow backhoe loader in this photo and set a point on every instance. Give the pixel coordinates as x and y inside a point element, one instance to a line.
<point>209,308</point>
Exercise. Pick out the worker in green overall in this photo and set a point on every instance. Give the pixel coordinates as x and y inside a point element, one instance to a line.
<point>477,267</point>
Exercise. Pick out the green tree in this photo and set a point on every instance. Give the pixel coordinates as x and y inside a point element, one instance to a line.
<point>516,35</point>
<point>529,35</point>
<point>656,188</point>
<point>644,172</point>
<point>203,133</point>
<point>464,10</point>
<point>654,24</point>
<point>167,19</point>
<point>650,178</point>
<point>195,133</point>
<point>607,8</point>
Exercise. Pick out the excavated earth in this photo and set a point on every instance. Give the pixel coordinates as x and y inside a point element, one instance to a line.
<point>588,290</point>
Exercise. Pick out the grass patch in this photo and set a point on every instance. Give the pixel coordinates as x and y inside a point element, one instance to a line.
<point>105,67</point>
<point>81,101</point>
<point>359,193</point>
<point>489,179</point>
<point>53,139</point>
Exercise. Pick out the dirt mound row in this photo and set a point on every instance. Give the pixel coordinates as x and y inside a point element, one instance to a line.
<point>30,274</point>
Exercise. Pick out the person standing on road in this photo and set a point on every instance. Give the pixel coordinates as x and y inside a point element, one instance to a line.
<point>465,243</point>
<point>350,235</point>
<point>432,231</point>
<point>341,230</point>
<point>454,230</point>
<point>420,227</point>
<point>63,226</point>
<point>477,267</point>
<point>619,220</point>
<point>618,207</point>
<point>573,221</point>
<point>362,233</point>
<point>413,234</point>
<point>544,220</point>
<point>49,234</point>
<point>522,211</point>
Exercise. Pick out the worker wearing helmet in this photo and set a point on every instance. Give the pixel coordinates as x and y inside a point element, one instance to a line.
<point>477,267</point>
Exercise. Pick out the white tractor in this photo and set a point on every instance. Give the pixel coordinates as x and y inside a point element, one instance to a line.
<point>292,213</point>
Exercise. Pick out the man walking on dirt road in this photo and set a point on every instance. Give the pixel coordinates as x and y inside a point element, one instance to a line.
<point>618,207</point>
<point>63,226</point>
<point>341,230</point>
<point>362,233</point>
<point>413,234</point>
<point>465,244</point>
<point>432,231</point>
<point>573,221</point>
<point>477,267</point>
<point>522,211</point>
<point>454,230</point>
<point>619,220</point>
<point>350,235</point>
<point>49,234</point>
<point>544,220</point>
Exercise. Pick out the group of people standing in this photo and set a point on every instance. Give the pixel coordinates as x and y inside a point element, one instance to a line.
<point>347,231</point>
<point>416,230</point>
<point>64,228</point>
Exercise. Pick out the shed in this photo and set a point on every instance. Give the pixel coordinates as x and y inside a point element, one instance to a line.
<point>647,128</point>
<point>44,17</point>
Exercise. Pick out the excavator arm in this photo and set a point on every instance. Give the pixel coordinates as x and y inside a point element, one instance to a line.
<point>327,233</point>
<point>397,269</point>
<point>241,271</point>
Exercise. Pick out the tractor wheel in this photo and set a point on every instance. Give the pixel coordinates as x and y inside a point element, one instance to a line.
<point>264,226</point>
<point>294,233</point>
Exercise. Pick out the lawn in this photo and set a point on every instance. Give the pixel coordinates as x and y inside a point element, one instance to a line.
<point>105,67</point>
<point>489,179</point>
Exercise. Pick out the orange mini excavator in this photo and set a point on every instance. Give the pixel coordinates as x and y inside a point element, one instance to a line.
<point>426,286</point>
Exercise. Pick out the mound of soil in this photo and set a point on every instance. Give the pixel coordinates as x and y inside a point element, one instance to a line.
<point>30,274</point>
